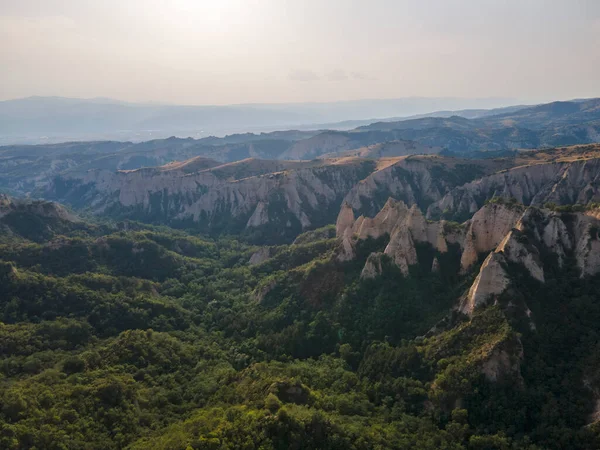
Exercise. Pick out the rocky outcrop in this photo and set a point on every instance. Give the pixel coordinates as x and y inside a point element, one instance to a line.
<point>416,223</point>
<point>504,362</point>
<point>486,230</point>
<point>413,228</point>
<point>250,194</point>
<point>259,217</point>
<point>383,223</point>
<point>409,179</point>
<point>491,281</point>
<point>587,243</point>
<point>261,291</point>
<point>300,197</point>
<point>566,233</point>
<point>373,267</point>
<point>538,230</point>
<point>435,265</point>
<point>404,226</point>
<point>345,220</point>
<point>294,196</point>
<point>346,251</point>
<point>416,179</point>
<point>513,233</point>
<point>401,249</point>
<point>260,256</point>
<point>516,248</point>
<point>567,182</point>
<point>556,237</point>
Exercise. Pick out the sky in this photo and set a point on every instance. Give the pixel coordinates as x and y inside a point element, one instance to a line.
<point>278,51</point>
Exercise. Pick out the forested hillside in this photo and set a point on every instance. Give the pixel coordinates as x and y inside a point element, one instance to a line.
<point>299,225</point>
<point>125,335</point>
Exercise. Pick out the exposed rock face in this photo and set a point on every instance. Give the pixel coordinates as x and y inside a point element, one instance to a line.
<point>486,230</point>
<point>491,281</point>
<point>404,226</point>
<point>556,237</point>
<point>402,249</point>
<point>416,223</point>
<point>263,290</point>
<point>373,267</point>
<point>565,234</point>
<point>304,193</point>
<point>290,391</point>
<point>253,193</point>
<point>504,363</point>
<point>345,220</point>
<point>435,265</point>
<point>260,256</point>
<point>538,230</point>
<point>346,250</point>
<point>595,415</point>
<point>590,382</point>
<point>547,228</point>
<point>416,179</point>
<point>408,180</point>
<point>587,245</point>
<point>259,217</point>
<point>516,248</point>
<point>512,233</point>
<point>558,182</point>
<point>413,228</point>
<point>384,222</point>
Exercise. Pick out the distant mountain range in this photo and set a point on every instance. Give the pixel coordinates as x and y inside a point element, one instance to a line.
<point>487,133</point>
<point>56,119</point>
<point>276,200</point>
<point>425,282</point>
<point>239,182</point>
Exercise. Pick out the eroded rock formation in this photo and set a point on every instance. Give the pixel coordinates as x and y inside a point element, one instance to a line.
<point>507,232</point>
<point>491,281</point>
<point>566,182</point>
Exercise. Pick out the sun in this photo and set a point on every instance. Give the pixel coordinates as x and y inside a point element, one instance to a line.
<point>210,16</point>
<point>210,11</point>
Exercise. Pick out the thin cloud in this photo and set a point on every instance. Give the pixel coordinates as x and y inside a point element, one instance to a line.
<point>303,75</point>
<point>337,75</point>
<point>361,76</point>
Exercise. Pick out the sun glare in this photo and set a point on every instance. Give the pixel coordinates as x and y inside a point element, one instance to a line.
<point>212,14</point>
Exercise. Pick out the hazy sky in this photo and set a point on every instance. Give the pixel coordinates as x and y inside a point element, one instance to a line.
<point>240,51</point>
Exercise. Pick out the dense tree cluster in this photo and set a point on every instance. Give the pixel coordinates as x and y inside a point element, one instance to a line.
<point>145,337</point>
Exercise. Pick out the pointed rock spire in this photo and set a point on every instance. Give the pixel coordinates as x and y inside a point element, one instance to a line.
<point>401,249</point>
<point>491,282</point>
<point>435,265</point>
<point>373,267</point>
<point>486,230</point>
<point>345,220</point>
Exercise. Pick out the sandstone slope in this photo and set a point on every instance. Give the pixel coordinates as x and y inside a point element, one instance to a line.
<point>232,197</point>
<point>561,182</point>
<point>507,234</point>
